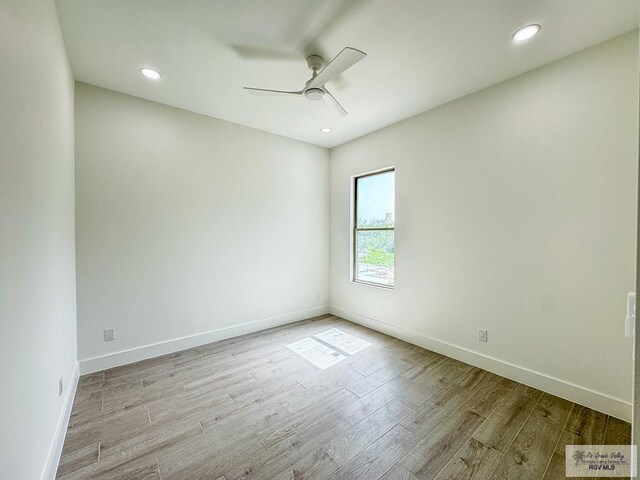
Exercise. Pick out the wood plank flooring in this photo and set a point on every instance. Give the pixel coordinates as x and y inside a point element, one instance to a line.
<point>250,408</point>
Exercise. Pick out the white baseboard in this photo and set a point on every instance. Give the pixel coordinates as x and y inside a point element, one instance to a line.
<point>584,396</point>
<point>123,357</point>
<point>55,450</point>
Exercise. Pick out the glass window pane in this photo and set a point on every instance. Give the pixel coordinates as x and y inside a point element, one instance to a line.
<point>375,256</point>
<point>376,200</point>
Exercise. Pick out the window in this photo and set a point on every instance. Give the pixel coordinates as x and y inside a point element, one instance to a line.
<point>373,231</point>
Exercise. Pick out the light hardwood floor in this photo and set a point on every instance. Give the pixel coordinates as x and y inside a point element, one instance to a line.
<point>249,408</point>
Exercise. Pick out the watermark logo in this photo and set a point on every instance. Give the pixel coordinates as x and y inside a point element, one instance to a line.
<point>601,461</point>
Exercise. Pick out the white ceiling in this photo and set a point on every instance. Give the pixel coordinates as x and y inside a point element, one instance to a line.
<point>421,53</point>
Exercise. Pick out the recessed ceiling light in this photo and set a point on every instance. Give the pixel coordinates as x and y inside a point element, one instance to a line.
<point>525,33</point>
<point>326,130</point>
<point>151,73</point>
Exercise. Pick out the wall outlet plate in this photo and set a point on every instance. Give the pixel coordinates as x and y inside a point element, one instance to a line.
<point>109,335</point>
<point>482,335</point>
<point>60,387</point>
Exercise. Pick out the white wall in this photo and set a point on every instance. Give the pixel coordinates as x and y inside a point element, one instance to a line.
<point>37,266</point>
<point>187,225</point>
<point>516,211</point>
<point>635,424</point>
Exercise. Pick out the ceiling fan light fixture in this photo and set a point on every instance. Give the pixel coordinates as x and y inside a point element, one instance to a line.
<point>326,130</point>
<point>525,33</point>
<point>314,93</point>
<point>151,73</point>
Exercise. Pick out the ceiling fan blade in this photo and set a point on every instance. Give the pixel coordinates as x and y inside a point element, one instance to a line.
<point>266,91</point>
<point>333,105</point>
<point>345,59</point>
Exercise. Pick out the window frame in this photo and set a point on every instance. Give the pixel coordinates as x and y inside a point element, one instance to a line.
<point>355,229</point>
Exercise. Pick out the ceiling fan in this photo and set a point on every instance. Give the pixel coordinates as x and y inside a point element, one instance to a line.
<point>315,88</point>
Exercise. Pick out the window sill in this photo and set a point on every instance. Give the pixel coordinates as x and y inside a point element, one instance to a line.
<point>373,285</point>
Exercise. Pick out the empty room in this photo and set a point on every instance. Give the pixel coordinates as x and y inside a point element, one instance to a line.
<point>319,239</point>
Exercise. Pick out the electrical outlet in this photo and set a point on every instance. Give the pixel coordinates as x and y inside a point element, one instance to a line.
<point>482,335</point>
<point>60,387</point>
<point>109,335</point>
